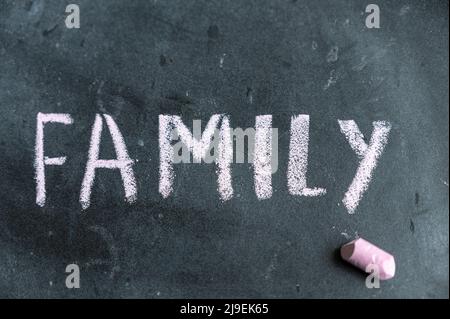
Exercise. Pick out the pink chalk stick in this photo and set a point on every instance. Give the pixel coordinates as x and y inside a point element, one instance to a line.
<point>362,254</point>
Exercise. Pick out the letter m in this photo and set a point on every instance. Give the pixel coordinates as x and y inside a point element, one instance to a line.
<point>199,150</point>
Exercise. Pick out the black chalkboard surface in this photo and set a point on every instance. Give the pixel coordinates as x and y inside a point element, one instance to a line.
<point>136,60</point>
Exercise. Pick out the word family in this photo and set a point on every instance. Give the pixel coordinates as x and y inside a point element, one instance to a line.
<point>219,137</point>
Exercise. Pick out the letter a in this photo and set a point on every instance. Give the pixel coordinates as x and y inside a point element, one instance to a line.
<point>373,19</point>
<point>73,279</point>
<point>123,162</point>
<point>73,19</point>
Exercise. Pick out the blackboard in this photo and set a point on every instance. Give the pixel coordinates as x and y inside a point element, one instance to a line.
<point>136,60</point>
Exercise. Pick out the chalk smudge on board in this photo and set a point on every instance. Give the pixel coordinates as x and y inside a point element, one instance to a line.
<point>36,10</point>
<point>346,235</point>
<point>222,59</point>
<point>112,250</point>
<point>332,55</point>
<point>331,80</point>
<point>250,94</point>
<point>404,10</point>
<point>272,266</point>
<point>360,66</point>
<point>412,227</point>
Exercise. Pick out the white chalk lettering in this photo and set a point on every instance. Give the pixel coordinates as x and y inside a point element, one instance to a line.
<point>217,136</point>
<point>368,154</point>
<point>40,159</point>
<point>298,159</point>
<point>123,161</point>
<point>262,161</point>
<point>199,149</point>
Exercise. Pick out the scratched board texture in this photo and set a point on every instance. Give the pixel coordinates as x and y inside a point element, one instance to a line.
<point>137,59</point>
